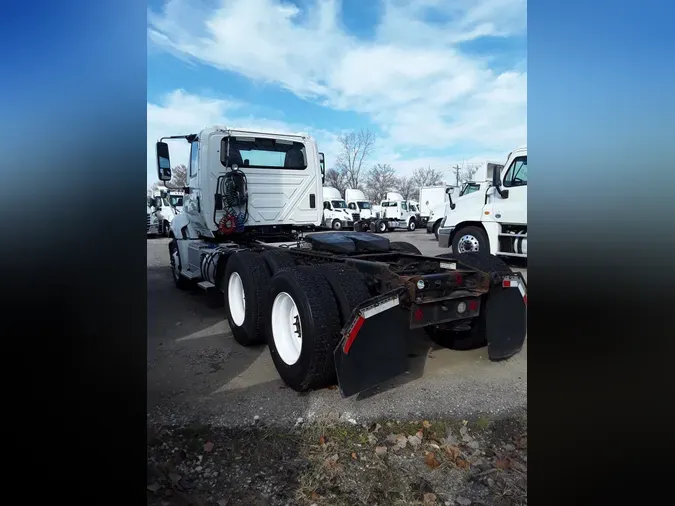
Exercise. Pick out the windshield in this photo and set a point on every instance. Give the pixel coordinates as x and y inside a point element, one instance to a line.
<point>469,188</point>
<point>339,204</point>
<point>263,153</point>
<point>364,205</point>
<point>176,200</point>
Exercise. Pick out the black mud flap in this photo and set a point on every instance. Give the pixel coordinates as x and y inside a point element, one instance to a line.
<point>374,345</point>
<point>506,318</point>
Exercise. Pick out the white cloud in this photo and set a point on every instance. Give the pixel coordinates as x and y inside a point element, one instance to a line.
<point>411,80</point>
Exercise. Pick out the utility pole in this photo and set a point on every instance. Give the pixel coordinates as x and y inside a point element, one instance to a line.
<point>456,168</point>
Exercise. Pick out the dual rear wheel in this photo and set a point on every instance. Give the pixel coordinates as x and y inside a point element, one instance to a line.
<point>298,311</point>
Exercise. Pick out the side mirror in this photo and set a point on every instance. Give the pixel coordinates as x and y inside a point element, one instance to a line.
<point>322,164</point>
<point>497,183</point>
<point>163,162</point>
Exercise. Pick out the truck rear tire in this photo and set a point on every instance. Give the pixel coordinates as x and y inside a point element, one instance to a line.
<point>470,240</point>
<point>348,285</point>
<point>277,259</point>
<point>181,282</point>
<point>475,337</point>
<point>245,286</point>
<point>303,325</point>
<point>381,226</point>
<point>404,247</point>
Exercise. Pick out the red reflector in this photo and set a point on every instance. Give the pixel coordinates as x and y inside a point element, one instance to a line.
<point>506,283</point>
<point>525,299</point>
<point>458,279</point>
<point>419,314</point>
<point>473,305</point>
<point>352,335</point>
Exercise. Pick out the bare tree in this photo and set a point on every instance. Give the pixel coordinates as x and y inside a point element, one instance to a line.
<point>424,177</point>
<point>468,171</point>
<point>380,179</point>
<point>179,179</point>
<point>336,179</point>
<point>406,187</point>
<point>355,149</point>
<point>465,172</point>
<point>427,177</point>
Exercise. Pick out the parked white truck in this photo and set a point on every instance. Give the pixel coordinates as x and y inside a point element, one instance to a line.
<point>397,208</point>
<point>336,215</point>
<point>162,211</point>
<point>334,307</point>
<point>358,204</point>
<point>368,217</point>
<point>490,216</point>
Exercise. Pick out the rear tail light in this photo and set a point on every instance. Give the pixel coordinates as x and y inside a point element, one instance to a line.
<point>473,305</point>
<point>419,314</point>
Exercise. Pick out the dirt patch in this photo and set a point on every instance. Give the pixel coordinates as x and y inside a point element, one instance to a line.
<point>442,462</point>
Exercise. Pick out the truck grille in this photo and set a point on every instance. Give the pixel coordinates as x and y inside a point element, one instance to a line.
<point>356,216</point>
<point>147,222</point>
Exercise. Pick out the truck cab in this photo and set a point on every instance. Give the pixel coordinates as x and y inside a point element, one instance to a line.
<point>491,215</point>
<point>242,183</point>
<point>359,205</point>
<point>336,214</point>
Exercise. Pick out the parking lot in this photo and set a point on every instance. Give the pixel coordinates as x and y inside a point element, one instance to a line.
<point>196,371</point>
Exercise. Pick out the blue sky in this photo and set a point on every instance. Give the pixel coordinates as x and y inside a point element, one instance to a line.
<point>439,82</point>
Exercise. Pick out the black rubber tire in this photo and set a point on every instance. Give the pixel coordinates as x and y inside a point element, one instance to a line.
<point>348,285</point>
<point>437,225</point>
<point>255,279</point>
<point>486,263</point>
<point>404,247</point>
<point>381,226</point>
<point>181,282</point>
<point>320,323</point>
<point>478,233</point>
<point>336,224</point>
<point>474,338</point>
<point>412,226</point>
<point>277,259</point>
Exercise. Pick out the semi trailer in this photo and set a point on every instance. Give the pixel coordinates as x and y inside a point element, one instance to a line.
<point>333,307</point>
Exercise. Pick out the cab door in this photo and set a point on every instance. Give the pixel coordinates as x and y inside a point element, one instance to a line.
<point>513,210</point>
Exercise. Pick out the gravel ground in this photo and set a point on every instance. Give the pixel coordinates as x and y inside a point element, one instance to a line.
<point>203,387</point>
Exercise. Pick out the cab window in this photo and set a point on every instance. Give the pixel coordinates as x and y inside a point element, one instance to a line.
<point>194,158</point>
<point>517,173</point>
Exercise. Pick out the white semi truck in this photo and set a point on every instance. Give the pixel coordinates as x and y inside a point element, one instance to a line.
<point>490,216</point>
<point>395,207</point>
<point>162,211</point>
<point>368,217</point>
<point>333,306</point>
<point>336,215</point>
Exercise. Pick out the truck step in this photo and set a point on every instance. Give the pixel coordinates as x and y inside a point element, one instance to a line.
<point>205,285</point>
